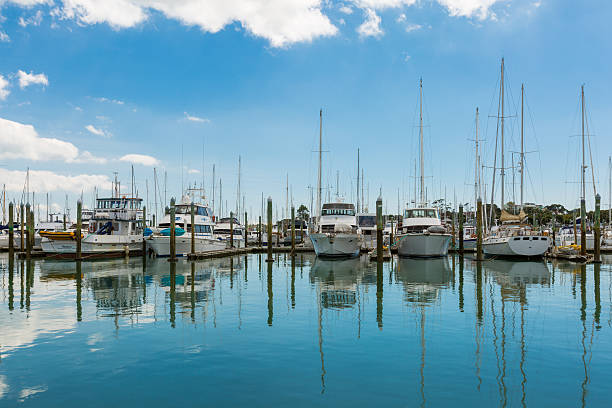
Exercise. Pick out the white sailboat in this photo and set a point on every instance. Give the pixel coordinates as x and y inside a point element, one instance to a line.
<point>514,237</point>
<point>422,233</point>
<point>336,233</point>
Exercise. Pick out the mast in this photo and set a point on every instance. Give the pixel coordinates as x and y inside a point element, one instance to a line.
<point>583,169</point>
<point>213,190</point>
<point>503,170</point>
<point>422,203</point>
<point>238,192</point>
<point>476,164</point>
<point>358,209</point>
<point>522,165</point>
<point>320,160</point>
<point>287,198</point>
<point>155,190</point>
<point>363,201</point>
<point>609,190</point>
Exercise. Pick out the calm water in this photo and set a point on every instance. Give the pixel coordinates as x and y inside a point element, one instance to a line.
<point>243,332</point>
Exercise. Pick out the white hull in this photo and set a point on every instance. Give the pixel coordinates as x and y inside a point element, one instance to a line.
<point>520,246</point>
<point>469,244</point>
<point>423,245</point>
<point>336,245</point>
<point>4,241</point>
<point>160,245</point>
<point>95,244</point>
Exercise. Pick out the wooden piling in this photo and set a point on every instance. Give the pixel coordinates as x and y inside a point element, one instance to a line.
<point>259,231</point>
<point>231,229</point>
<point>77,233</point>
<point>28,240</point>
<point>479,230</point>
<point>379,230</point>
<point>461,229</point>
<point>11,243</point>
<point>269,259</point>
<point>172,231</point>
<point>193,228</point>
<point>64,222</point>
<point>292,231</point>
<point>246,230</point>
<point>22,222</point>
<point>597,232</point>
<point>144,227</point>
<point>583,243</point>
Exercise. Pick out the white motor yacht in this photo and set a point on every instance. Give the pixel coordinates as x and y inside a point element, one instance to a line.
<point>222,231</point>
<point>422,234</point>
<point>337,234</point>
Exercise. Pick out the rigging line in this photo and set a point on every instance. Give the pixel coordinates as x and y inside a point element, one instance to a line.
<point>590,152</point>
<point>537,142</point>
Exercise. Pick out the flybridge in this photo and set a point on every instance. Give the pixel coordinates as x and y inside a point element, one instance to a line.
<point>117,203</point>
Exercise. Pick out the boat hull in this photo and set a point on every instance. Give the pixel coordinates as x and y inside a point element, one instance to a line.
<point>94,246</point>
<point>336,245</point>
<point>423,245</point>
<point>160,245</point>
<point>521,246</point>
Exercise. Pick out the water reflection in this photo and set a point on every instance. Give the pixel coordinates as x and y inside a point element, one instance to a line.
<point>422,279</point>
<point>337,280</point>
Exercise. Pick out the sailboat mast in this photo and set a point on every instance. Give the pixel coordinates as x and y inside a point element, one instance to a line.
<point>522,166</point>
<point>476,163</point>
<point>358,208</point>
<point>320,160</point>
<point>609,190</point>
<point>503,171</point>
<point>583,169</point>
<point>421,142</point>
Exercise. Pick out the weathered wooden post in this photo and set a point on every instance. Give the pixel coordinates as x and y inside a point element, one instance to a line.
<point>22,222</point>
<point>172,231</point>
<point>79,284</point>
<point>583,243</point>
<point>391,234</point>
<point>479,230</point>
<point>64,222</point>
<point>292,231</point>
<point>461,229</point>
<point>597,232</point>
<point>231,229</point>
<point>144,227</point>
<point>259,231</point>
<point>269,259</point>
<point>77,233</point>
<point>32,228</point>
<point>192,229</point>
<point>28,240</point>
<point>11,237</point>
<point>379,230</point>
<point>246,230</point>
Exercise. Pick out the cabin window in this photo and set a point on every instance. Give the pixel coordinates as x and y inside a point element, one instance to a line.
<point>525,238</point>
<point>421,213</point>
<point>517,239</point>
<point>338,211</point>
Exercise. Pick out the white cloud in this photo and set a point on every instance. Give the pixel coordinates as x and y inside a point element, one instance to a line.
<point>371,26</point>
<point>4,37</point>
<point>140,159</point>
<point>4,92</point>
<point>34,20</point>
<point>44,180</point>
<point>26,79</point>
<point>383,4</point>
<point>195,118</point>
<point>281,22</point>
<point>30,3</point>
<point>401,18</point>
<point>98,132</point>
<point>115,101</point>
<point>469,8</point>
<point>193,171</point>
<point>19,141</point>
<point>346,10</point>
<point>413,27</point>
<point>78,109</point>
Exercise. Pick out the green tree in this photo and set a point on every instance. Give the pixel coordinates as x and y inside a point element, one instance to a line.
<point>303,213</point>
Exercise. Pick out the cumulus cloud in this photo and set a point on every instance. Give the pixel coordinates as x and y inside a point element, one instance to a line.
<point>115,101</point>
<point>26,79</point>
<point>19,141</point>
<point>469,8</point>
<point>4,37</point>
<point>98,132</point>
<point>371,26</point>
<point>4,92</point>
<point>193,171</point>
<point>44,180</point>
<point>413,27</point>
<point>281,22</point>
<point>346,9</point>
<point>195,118</point>
<point>140,159</point>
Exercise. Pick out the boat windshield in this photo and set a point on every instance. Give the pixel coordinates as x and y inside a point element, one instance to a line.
<point>421,213</point>
<point>186,209</point>
<point>338,211</point>
<point>366,220</point>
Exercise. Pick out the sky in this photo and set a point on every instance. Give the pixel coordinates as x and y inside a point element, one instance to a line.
<point>89,88</point>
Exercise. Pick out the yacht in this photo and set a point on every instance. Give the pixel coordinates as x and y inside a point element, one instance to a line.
<point>367,227</point>
<point>115,229</point>
<point>514,237</point>
<point>158,241</point>
<point>222,232</point>
<point>337,232</point>
<point>422,234</point>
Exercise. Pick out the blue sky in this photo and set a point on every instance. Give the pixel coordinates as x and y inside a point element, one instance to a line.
<point>248,77</point>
